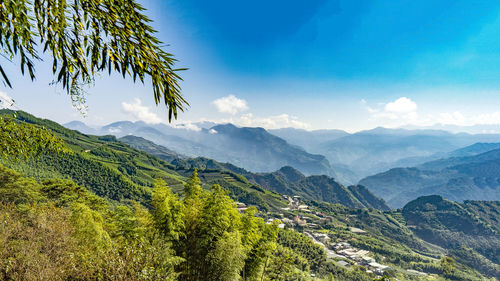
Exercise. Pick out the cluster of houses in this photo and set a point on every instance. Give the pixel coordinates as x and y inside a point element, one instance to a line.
<point>359,257</point>
<point>302,220</point>
<point>300,215</point>
<point>294,203</point>
<point>346,255</point>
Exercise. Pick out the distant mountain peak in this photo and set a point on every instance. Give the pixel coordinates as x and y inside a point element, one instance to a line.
<point>75,122</point>
<point>291,174</point>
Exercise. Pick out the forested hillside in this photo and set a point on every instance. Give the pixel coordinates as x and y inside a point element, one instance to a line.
<point>286,180</point>
<point>456,178</point>
<point>471,230</point>
<point>104,210</point>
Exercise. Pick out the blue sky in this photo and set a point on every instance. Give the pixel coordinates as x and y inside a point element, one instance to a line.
<point>309,64</point>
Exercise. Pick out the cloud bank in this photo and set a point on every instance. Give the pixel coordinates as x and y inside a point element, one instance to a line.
<point>404,111</point>
<point>271,122</point>
<point>230,104</point>
<point>141,112</point>
<point>235,106</point>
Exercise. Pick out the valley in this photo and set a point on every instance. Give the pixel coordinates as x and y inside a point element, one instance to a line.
<point>358,234</point>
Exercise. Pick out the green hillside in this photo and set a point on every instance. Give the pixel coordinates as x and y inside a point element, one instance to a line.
<point>471,231</point>
<point>474,177</point>
<point>115,170</point>
<point>286,180</point>
<point>108,177</point>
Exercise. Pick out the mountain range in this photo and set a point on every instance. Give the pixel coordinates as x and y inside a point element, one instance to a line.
<point>125,168</point>
<point>414,237</point>
<point>470,173</point>
<point>254,149</point>
<point>286,180</point>
<point>346,157</point>
<point>369,152</point>
<point>397,165</point>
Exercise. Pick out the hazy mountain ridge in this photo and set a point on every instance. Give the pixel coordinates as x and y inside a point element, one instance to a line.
<point>457,178</point>
<point>254,149</point>
<point>286,180</point>
<point>368,152</point>
<point>308,139</point>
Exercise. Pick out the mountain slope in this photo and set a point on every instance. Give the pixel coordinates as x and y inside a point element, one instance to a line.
<point>145,145</point>
<point>354,156</point>
<point>474,149</point>
<point>254,149</point>
<point>474,225</point>
<point>115,170</point>
<point>457,178</point>
<point>286,180</point>
<point>257,150</point>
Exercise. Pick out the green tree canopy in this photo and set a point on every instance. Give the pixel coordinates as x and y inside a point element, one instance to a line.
<point>167,211</point>
<point>85,38</point>
<point>22,140</point>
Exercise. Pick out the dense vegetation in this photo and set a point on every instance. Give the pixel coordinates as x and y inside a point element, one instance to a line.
<point>104,210</point>
<point>456,178</point>
<point>470,230</point>
<point>57,230</point>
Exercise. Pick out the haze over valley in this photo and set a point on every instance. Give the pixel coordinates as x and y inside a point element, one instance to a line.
<point>347,157</point>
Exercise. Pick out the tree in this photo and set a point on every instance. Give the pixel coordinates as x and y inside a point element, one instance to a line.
<point>167,211</point>
<point>89,229</point>
<point>193,204</point>
<point>285,264</point>
<point>447,265</point>
<point>192,187</point>
<point>16,189</point>
<point>22,140</point>
<point>226,259</point>
<point>259,240</point>
<point>212,246</point>
<point>85,38</point>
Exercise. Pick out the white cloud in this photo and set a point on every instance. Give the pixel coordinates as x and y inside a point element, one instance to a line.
<point>401,105</point>
<point>212,131</point>
<point>188,126</point>
<point>487,118</point>
<point>455,118</point>
<point>5,101</point>
<point>230,104</point>
<point>459,119</point>
<point>141,112</point>
<point>272,122</point>
<point>401,111</point>
<point>114,130</point>
<point>233,105</point>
